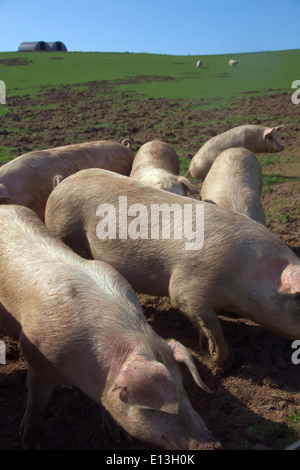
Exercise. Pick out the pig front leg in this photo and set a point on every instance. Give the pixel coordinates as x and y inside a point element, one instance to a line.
<point>209,324</point>
<point>187,299</point>
<point>39,394</point>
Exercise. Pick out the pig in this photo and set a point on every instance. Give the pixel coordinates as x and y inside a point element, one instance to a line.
<point>257,139</point>
<point>211,259</point>
<point>157,164</point>
<point>28,179</point>
<point>232,62</point>
<point>235,182</point>
<point>79,322</point>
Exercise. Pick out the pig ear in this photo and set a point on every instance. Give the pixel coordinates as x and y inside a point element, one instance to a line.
<point>181,354</point>
<point>147,384</point>
<point>267,132</point>
<point>290,280</point>
<point>187,184</point>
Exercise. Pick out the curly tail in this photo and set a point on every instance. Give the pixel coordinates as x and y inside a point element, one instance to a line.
<point>127,142</point>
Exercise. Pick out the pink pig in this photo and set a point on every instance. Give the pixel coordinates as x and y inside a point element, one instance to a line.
<point>235,182</point>
<point>29,179</point>
<point>258,139</point>
<point>79,322</point>
<point>212,259</point>
<point>157,164</point>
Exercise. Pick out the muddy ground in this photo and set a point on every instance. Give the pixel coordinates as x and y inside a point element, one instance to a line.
<point>256,399</point>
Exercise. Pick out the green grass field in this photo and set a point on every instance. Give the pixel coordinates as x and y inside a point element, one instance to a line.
<point>255,72</point>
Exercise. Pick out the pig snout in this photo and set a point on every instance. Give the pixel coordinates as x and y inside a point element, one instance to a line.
<point>184,430</point>
<point>198,436</point>
<point>204,441</point>
<point>279,147</point>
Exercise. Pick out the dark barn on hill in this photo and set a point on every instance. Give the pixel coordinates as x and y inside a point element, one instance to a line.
<point>34,46</point>
<point>57,46</point>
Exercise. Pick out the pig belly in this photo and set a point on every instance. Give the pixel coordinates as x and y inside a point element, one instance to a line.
<point>146,279</point>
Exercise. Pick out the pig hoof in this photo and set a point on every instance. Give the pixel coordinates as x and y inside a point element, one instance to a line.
<point>220,359</point>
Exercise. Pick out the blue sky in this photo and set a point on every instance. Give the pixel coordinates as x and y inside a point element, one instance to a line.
<point>178,27</point>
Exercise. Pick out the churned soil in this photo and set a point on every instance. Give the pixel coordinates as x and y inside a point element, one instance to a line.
<point>255,402</point>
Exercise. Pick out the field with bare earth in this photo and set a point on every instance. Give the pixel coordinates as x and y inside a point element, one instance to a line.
<point>256,399</point>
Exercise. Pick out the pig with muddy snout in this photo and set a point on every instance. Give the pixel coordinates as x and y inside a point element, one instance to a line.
<point>257,139</point>
<point>214,259</point>
<point>235,182</point>
<point>79,322</point>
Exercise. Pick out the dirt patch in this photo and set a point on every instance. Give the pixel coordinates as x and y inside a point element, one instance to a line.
<point>16,61</point>
<point>256,399</point>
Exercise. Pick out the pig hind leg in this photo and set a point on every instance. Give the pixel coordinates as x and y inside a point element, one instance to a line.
<point>39,394</point>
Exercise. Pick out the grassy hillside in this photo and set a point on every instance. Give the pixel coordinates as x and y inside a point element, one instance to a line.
<point>176,76</point>
<point>121,94</point>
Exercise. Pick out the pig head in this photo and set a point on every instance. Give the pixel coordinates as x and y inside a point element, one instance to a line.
<point>148,397</point>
